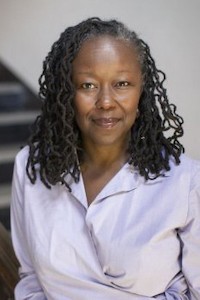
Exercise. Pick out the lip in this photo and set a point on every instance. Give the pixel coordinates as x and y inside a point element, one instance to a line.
<point>106,122</point>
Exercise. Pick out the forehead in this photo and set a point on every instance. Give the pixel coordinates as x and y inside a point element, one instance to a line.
<point>104,47</point>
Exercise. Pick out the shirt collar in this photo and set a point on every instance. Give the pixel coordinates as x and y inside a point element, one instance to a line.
<point>126,179</point>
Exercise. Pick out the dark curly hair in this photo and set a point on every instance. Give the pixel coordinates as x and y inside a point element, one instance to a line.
<point>55,141</point>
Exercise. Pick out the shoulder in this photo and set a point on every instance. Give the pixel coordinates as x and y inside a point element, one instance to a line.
<point>23,154</point>
<point>187,164</point>
<point>20,162</point>
<point>188,169</point>
<point>194,173</point>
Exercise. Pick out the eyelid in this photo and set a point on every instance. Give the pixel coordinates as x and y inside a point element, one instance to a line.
<point>88,85</point>
<point>123,83</point>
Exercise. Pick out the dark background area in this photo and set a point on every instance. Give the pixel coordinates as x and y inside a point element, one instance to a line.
<point>19,107</point>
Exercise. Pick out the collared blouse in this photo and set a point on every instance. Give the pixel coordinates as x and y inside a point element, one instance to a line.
<point>137,240</point>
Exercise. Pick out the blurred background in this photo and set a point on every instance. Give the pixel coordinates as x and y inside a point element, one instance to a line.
<point>28,29</point>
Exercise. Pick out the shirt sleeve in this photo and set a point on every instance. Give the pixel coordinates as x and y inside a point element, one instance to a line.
<point>190,238</point>
<point>28,287</point>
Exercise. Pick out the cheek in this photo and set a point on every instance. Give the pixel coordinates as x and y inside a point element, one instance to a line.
<point>82,109</point>
<point>131,106</point>
<point>79,106</point>
<point>132,117</point>
<point>83,104</point>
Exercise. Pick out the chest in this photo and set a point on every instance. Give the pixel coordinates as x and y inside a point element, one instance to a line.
<point>96,179</point>
<point>122,238</point>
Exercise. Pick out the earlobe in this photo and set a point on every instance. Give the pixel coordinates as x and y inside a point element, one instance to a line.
<point>137,113</point>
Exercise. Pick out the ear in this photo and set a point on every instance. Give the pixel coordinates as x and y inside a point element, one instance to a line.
<point>137,113</point>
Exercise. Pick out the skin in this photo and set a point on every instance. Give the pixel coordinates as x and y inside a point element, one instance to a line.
<point>108,84</point>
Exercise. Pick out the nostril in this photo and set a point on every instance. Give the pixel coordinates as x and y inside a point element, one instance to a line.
<point>105,103</point>
<point>105,100</point>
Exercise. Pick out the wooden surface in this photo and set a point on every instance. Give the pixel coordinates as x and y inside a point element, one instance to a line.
<point>8,265</point>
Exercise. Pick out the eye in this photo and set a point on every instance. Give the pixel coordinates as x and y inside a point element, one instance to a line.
<point>88,86</point>
<point>122,84</point>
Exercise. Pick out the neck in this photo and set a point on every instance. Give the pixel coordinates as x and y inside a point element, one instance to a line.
<point>104,156</point>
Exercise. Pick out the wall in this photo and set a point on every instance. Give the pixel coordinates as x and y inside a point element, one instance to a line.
<point>171,28</point>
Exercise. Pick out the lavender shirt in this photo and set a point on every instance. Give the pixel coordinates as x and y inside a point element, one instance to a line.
<point>138,240</point>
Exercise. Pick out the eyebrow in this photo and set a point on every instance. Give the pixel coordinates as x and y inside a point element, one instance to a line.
<point>90,73</point>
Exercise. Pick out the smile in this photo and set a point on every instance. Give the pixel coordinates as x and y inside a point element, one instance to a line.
<point>106,122</point>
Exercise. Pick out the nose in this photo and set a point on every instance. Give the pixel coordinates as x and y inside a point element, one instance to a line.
<point>105,99</point>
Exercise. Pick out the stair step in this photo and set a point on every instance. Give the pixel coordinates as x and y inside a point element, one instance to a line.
<point>8,152</point>
<point>18,133</point>
<point>5,200</point>
<point>22,117</point>
<point>7,156</point>
<point>12,96</point>
<point>5,218</point>
<point>6,171</point>
<point>15,127</point>
<point>8,87</point>
<point>5,195</point>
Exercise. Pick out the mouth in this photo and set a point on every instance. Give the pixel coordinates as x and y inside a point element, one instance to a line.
<point>106,122</point>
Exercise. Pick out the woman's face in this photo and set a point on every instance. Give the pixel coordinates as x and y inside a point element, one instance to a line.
<point>108,82</point>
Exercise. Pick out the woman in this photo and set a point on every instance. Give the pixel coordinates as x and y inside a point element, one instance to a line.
<point>105,206</point>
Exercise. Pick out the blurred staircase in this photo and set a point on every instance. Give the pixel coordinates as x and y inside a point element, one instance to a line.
<point>18,110</point>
